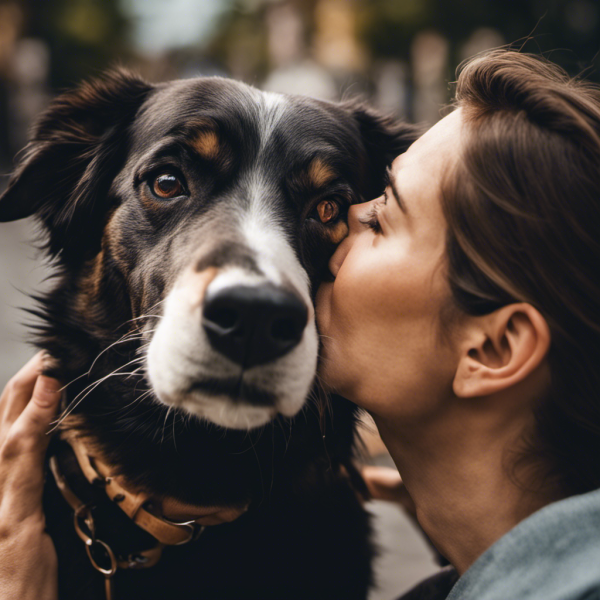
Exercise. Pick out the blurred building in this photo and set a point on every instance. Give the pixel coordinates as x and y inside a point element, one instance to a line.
<point>400,54</point>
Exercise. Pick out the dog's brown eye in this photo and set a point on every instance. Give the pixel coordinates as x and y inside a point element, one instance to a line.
<point>328,211</point>
<point>167,186</point>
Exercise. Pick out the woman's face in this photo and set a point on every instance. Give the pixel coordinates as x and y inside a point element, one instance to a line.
<point>383,346</point>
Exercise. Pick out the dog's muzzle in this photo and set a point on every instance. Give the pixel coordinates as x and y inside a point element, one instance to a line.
<point>234,347</point>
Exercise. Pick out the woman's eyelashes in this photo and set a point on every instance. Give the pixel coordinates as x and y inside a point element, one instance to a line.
<point>371,219</point>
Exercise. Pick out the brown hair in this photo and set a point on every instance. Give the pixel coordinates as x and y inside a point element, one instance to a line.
<point>523,213</point>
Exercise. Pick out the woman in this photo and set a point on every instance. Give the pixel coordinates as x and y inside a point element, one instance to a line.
<point>464,317</point>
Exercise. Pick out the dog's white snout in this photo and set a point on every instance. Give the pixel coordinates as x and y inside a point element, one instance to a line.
<point>234,347</point>
<point>254,325</point>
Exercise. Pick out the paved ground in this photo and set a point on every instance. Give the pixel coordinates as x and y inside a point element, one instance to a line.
<point>404,557</point>
<point>21,271</point>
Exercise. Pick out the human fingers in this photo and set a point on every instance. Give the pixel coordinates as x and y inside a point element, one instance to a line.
<point>384,483</point>
<point>18,390</point>
<point>22,452</point>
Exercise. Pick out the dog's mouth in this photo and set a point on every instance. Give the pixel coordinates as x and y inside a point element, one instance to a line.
<point>236,390</point>
<point>234,349</point>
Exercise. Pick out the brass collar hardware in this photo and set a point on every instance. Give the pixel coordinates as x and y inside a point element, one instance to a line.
<point>135,506</point>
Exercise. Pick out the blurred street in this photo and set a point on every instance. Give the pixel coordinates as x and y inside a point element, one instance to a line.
<point>22,271</point>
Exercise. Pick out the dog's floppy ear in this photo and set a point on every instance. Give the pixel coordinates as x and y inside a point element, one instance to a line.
<point>77,147</point>
<point>384,138</point>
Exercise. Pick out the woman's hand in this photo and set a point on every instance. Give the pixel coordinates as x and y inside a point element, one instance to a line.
<point>28,564</point>
<point>385,483</point>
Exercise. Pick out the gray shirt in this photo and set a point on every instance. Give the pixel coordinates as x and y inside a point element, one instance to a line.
<point>552,555</point>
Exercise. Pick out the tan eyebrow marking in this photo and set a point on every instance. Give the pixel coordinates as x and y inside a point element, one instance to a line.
<point>338,232</point>
<point>320,173</point>
<point>210,145</point>
<point>207,144</point>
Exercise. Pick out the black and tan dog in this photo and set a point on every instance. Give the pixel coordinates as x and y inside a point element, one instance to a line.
<point>190,223</point>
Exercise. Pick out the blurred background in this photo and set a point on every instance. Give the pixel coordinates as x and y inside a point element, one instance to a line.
<point>399,54</point>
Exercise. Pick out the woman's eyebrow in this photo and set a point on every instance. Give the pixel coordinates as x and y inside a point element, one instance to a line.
<point>397,196</point>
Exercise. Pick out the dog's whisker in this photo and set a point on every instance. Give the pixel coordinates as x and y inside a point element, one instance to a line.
<point>144,316</point>
<point>174,441</point>
<point>123,339</point>
<point>164,425</point>
<point>135,371</point>
<point>91,387</point>
<point>128,337</point>
<point>64,387</point>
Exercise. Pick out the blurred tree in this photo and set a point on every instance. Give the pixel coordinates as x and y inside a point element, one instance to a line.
<point>83,36</point>
<point>366,46</point>
<point>395,38</point>
<point>389,26</point>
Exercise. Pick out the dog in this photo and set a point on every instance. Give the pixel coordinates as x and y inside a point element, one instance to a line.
<point>190,223</point>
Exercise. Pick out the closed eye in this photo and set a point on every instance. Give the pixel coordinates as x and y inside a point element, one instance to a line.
<point>371,219</point>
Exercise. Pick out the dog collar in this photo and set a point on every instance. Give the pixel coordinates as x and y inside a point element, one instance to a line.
<point>137,506</point>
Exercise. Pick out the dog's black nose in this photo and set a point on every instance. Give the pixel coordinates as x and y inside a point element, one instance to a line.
<point>254,325</point>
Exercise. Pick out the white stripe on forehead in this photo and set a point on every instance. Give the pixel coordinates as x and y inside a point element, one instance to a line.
<point>260,221</point>
<point>274,107</point>
<point>271,108</point>
<point>262,228</point>
<point>260,217</point>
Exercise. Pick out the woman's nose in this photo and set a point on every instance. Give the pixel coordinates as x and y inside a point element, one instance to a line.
<point>356,215</point>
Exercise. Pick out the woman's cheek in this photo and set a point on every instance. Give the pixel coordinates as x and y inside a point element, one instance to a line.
<point>323,307</point>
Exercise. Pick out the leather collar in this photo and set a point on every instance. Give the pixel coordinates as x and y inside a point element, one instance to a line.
<point>97,475</point>
<point>137,506</point>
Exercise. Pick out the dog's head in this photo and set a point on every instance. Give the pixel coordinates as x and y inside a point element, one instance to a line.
<point>202,213</point>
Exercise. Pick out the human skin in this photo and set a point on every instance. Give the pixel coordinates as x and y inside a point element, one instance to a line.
<point>28,565</point>
<point>452,397</point>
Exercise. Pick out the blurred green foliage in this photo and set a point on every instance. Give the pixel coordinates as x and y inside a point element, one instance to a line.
<point>567,29</point>
<point>83,36</point>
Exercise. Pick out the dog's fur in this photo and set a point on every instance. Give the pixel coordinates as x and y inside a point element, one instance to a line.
<point>132,271</point>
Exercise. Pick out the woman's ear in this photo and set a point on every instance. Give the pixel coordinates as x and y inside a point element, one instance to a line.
<point>500,350</point>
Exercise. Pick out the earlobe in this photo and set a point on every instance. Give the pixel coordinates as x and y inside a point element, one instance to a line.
<point>500,350</point>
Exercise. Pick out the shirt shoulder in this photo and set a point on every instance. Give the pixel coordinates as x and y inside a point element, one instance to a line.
<point>436,587</point>
<point>552,555</point>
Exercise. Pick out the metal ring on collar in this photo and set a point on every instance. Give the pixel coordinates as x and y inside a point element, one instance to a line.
<point>109,553</point>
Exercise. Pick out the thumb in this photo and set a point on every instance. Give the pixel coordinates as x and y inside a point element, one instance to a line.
<point>34,422</point>
<point>22,454</point>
